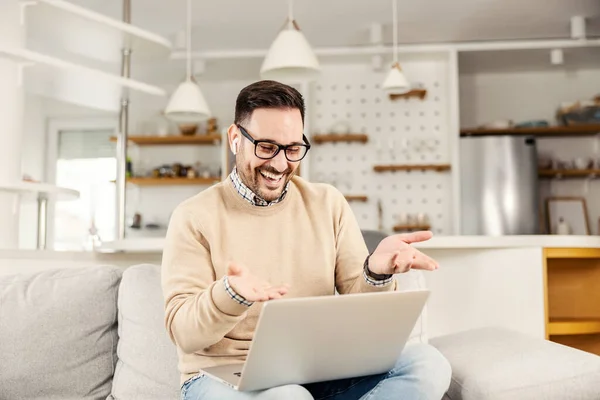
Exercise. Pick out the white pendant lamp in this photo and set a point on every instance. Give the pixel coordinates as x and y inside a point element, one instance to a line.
<point>396,82</point>
<point>290,58</point>
<point>187,104</point>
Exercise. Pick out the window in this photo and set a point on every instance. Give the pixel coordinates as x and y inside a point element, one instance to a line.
<point>86,161</point>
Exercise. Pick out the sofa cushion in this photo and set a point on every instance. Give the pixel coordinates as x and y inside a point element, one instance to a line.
<point>499,364</point>
<point>147,359</point>
<point>58,333</point>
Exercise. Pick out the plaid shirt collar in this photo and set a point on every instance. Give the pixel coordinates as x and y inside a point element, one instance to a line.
<point>249,195</point>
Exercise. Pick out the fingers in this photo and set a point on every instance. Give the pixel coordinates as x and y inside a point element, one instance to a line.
<point>424,262</point>
<point>414,237</point>
<point>266,292</point>
<point>403,260</point>
<point>277,292</point>
<point>260,294</point>
<point>411,258</point>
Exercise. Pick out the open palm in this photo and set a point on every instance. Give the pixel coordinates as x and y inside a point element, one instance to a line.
<point>244,283</point>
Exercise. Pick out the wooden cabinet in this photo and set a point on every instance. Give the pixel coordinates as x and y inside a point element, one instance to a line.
<point>573,297</point>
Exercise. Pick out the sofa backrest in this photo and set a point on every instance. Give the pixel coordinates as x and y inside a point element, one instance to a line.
<point>58,333</point>
<point>147,359</point>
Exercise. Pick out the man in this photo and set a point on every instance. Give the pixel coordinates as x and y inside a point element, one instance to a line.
<point>265,233</point>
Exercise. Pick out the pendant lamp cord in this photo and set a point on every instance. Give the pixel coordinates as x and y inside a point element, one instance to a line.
<point>395,38</point>
<point>189,40</point>
<point>290,12</point>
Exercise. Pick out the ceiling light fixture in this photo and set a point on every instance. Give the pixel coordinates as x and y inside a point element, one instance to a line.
<point>290,58</point>
<point>396,82</point>
<point>187,104</point>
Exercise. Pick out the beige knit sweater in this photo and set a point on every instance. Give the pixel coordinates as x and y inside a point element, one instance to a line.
<point>310,240</point>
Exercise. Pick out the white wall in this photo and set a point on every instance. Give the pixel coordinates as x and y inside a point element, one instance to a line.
<point>523,86</point>
<point>523,95</point>
<point>479,288</point>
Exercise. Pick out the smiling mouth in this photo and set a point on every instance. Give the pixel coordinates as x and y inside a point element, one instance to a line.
<point>271,178</point>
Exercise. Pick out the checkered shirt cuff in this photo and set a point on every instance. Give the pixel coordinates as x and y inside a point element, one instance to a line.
<point>376,282</point>
<point>234,295</point>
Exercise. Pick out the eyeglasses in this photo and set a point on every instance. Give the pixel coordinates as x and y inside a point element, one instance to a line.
<point>267,149</point>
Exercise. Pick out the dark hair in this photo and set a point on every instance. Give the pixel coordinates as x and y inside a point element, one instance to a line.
<point>266,94</point>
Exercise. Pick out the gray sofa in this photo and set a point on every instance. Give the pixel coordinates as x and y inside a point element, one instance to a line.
<point>98,333</point>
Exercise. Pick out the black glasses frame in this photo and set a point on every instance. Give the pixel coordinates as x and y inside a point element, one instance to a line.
<point>279,146</point>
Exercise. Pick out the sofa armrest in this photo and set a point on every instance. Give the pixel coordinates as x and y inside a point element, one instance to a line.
<point>493,363</point>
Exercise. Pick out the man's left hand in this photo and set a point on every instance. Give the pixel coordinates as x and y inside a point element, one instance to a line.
<point>395,255</point>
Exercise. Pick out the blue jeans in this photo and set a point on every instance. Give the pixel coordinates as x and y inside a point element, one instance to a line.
<point>421,373</point>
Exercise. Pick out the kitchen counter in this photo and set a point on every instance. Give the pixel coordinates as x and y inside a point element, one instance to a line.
<point>492,242</point>
<point>437,242</point>
<point>482,281</point>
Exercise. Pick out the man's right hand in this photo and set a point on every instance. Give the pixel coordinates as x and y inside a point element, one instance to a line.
<point>250,287</point>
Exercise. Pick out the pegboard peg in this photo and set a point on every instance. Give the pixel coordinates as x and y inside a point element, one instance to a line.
<point>404,144</point>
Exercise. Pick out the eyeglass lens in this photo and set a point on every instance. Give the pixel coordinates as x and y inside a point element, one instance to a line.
<point>268,150</point>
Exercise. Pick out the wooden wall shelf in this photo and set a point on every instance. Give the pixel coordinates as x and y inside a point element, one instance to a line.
<point>574,326</point>
<point>359,198</point>
<point>333,138</point>
<point>569,173</point>
<point>418,93</point>
<point>172,181</point>
<point>411,228</point>
<point>556,131</point>
<point>173,140</point>
<point>414,167</point>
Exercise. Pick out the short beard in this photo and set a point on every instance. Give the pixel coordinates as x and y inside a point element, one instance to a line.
<point>250,178</point>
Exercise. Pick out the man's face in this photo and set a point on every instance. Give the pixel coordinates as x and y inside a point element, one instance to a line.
<point>267,178</point>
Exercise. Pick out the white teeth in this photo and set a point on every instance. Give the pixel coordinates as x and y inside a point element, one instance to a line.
<point>270,175</point>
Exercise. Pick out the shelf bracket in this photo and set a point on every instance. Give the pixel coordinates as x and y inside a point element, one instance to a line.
<point>20,71</point>
<point>24,4</point>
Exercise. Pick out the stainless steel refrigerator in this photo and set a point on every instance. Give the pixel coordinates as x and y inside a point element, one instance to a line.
<point>499,185</point>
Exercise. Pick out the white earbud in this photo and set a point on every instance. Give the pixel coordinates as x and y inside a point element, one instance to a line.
<point>235,145</point>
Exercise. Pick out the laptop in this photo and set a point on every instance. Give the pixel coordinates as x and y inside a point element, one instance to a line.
<point>315,339</point>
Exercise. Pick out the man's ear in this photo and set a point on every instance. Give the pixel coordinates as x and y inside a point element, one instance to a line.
<point>234,138</point>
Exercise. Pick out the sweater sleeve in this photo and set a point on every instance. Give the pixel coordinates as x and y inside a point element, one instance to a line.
<point>351,252</point>
<point>198,309</point>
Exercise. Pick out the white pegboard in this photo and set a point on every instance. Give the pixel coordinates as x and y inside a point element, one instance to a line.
<point>404,131</point>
